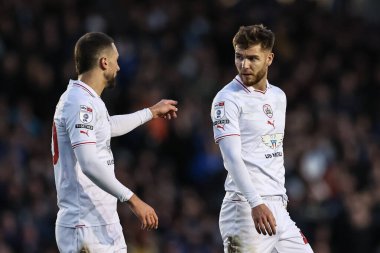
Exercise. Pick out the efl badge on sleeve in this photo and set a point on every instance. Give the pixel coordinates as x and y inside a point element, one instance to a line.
<point>85,114</point>
<point>219,110</point>
<point>219,115</point>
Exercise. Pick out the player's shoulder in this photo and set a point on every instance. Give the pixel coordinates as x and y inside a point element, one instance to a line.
<point>275,88</point>
<point>278,92</point>
<point>78,90</point>
<point>77,98</point>
<point>229,91</point>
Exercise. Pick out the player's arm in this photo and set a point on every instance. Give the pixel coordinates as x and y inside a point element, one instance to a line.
<point>105,179</point>
<point>122,124</point>
<point>231,151</point>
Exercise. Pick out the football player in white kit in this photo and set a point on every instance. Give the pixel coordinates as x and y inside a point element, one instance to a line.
<point>87,189</point>
<point>248,117</point>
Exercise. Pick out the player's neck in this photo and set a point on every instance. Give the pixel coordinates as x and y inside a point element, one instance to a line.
<point>262,85</point>
<point>92,79</point>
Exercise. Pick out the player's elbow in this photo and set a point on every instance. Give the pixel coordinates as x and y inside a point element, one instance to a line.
<point>87,165</point>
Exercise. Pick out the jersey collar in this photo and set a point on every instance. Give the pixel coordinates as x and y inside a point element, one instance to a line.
<point>84,86</point>
<point>250,89</point>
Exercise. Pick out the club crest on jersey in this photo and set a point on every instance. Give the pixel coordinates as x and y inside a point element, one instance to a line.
<point>268,110</point>
<point>219,116</point>
<point>85,114</point>
<point>273,141</point>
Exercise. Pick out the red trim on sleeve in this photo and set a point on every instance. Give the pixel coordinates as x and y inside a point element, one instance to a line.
<point>82,143</point>
<point>223,136</point>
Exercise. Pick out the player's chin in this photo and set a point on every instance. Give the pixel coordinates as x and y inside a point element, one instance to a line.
<point>248,79</point>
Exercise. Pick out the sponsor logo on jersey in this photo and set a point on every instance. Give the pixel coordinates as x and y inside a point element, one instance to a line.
<point>84,132</point>
<point>273,141</point>
<point>268,110</point>
<point>271,122</point>
<point>221,122</point>
<point>85,114</point>
<point>219,116</point>
<point>84,126</point>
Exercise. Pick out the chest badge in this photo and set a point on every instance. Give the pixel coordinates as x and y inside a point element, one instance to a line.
<point>269,112</point>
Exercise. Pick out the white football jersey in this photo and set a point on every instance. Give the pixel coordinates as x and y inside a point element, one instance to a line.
<point>259,119</point>
<point>81,118</point>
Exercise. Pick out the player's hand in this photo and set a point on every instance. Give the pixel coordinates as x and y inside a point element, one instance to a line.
<point>144,212</point>
<point>166,109</point>
<point>264,220</point>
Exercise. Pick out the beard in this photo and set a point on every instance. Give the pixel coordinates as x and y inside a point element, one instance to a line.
<point>111,82</point>
<point>253,79</point>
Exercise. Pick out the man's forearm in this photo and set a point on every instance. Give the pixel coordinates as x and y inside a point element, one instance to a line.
<point>231,152</point>
<point>122,124</point>
<point>99,174</point>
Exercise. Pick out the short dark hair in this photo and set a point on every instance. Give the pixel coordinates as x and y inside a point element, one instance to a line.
<point>248,36</point>
<point>87,50</point>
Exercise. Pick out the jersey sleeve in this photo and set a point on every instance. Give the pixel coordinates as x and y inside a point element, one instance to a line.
<point>81,122</point>
<point>225,117</point>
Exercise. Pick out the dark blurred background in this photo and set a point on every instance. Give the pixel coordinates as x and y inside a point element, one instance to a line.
<point>326,60</point>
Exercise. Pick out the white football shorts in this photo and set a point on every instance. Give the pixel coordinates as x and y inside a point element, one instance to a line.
<point>239,233</point>
<point>98,239</point>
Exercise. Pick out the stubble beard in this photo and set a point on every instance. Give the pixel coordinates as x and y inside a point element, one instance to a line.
<point>254,79</point>
<point>111,83</point>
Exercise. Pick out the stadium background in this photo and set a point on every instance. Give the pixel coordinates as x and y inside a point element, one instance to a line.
<point>327,62</point>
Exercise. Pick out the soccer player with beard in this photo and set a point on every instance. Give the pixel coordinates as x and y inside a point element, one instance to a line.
<point>87,189</point>
<point>248,117</point>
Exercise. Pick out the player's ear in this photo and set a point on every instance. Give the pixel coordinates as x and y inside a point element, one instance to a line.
<point>103,63</point>
<point>270,57</point>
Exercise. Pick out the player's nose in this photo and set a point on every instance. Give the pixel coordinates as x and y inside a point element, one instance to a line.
<point>245,64</point>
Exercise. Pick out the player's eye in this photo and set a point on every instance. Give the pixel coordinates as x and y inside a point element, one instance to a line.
<point>239,57</point>
<point>252,58</point>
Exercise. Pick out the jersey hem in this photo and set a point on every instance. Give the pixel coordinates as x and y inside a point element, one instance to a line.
<point>85,225</point>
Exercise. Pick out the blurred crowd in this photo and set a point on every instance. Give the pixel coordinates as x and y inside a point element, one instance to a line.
<point>326,61</point>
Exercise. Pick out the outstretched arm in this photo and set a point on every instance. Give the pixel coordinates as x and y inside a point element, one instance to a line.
<point>122,124</point>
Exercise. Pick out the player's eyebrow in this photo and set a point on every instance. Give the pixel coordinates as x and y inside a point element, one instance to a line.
<point>248,56</point>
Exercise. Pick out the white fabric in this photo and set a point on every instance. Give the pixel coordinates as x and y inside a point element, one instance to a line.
<point>122,124</point>
<point>100,174</point>
<point>233,162</point>
<point>99,239</point>
<point>258,118</point>
<point>81,118</point>
<point>239,233</point>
